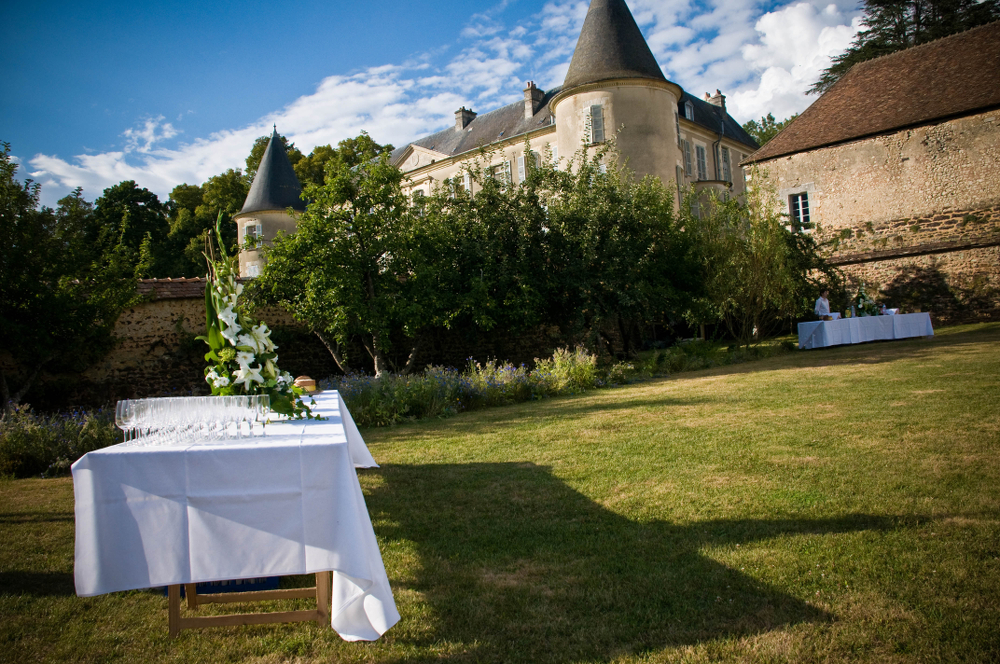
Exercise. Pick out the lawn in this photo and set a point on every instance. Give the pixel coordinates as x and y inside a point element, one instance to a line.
<point>832,505</point>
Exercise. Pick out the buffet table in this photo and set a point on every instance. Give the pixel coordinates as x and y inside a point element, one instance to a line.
<point>819,334</point>
<point>285,503</point>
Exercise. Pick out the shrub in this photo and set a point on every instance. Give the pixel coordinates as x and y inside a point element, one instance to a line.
<point>32,444</point>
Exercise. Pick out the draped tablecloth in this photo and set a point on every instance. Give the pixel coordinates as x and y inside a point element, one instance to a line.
<point>288,502</point>
<point>819,334</point>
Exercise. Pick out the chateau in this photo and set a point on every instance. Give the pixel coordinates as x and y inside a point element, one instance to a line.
<point>614,90</point>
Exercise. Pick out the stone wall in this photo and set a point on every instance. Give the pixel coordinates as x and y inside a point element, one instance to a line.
<point>917,172</point>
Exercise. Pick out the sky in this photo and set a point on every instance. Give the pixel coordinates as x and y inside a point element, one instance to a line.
<point>166,93</point>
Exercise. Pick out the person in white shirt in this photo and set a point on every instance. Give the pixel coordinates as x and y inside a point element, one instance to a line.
<point>822,307</point>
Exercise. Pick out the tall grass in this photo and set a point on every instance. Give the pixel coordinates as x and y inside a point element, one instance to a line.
<point>33,444</point>
<point>441,392</point>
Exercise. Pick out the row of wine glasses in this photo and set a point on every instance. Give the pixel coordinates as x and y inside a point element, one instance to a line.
<point>176,420</point>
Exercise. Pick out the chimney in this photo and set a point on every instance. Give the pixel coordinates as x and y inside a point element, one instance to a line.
<point>463,117</point>
<point>718,99</point>
<point>532,100</point>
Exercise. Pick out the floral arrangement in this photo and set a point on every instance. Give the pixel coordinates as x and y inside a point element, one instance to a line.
<point>242,357</point>
<point>866,305</point>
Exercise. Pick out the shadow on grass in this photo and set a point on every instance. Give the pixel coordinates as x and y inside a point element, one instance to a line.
<point>520,567</point>
<point>34,517</point>
<point>36,584</point>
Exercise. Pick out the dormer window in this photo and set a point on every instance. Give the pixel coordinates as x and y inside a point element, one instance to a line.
<point>689,110</point>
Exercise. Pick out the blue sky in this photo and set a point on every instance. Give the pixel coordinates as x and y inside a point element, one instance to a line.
<point>172,92</point>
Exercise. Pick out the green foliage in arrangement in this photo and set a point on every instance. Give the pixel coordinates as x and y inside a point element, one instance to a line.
<point>241,356</point>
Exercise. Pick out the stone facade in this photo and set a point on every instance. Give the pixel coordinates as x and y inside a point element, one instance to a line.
<point>912,209</point>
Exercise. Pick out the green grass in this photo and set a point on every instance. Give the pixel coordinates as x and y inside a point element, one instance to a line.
<point>834,505</point>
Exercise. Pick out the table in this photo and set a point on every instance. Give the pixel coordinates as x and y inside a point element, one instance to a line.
<point>818,334</point>
<point>288,502</point>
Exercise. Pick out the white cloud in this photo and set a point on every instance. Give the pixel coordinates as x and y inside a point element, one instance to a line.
<point>763,62</point>
<point>796,44</point>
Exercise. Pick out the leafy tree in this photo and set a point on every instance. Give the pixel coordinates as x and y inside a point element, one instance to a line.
<point>342,270</point>
<point>257,153</point>
<point>767,128</point>
<point>193,213</point>
<point>350,152</point>
<point>59,295</point>
<point>757,271</point>
<point>893,25</point>
<point>130,225</point>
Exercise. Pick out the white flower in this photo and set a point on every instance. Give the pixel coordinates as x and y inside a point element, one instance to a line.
<point>211,377</point>
<point>285,378</point>
<point>239,289</point>
<point>215,380</point>
<point>263,337</point>
<point>221,381</point>
<point>244,357</point>
<point>228,316</point>
<point>230,334</point>
<point>250,342</point>
<point>246,375</point>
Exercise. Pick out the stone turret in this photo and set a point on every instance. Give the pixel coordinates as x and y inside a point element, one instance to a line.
<point>274,191</point>
<point>614,89</point>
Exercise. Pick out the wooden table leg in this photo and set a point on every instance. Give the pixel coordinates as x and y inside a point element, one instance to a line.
<point>191,590</point>
<point>174,609</point>
<point>324,586</point>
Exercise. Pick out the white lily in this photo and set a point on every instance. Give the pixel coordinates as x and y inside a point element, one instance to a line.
<point>230,334</point>
<point>250,341</point>
<point>246,375</point>
<point>263,337</point>
<point>228,316</point>
<point>245,357</point>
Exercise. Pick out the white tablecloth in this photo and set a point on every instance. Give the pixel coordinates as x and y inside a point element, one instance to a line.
<point>288,502</point>
<point>858,330</point>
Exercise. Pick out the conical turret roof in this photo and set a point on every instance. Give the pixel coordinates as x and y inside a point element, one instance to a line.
<point>275,186</point>
<point>610,46</point>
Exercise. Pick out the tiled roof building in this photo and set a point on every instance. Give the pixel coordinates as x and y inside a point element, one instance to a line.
<point>897,167</point>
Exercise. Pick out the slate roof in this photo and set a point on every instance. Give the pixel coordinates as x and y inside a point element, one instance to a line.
<point>275,186</point>
<point>497,125</point>
<point>709,115</point>
<point>610,46</point>
<point>949,77</point>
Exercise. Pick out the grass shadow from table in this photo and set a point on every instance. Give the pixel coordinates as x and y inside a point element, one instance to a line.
<point>515,561</point>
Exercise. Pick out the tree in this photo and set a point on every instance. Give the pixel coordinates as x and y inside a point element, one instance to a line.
<point>342,271</point>
<point>350,152</point>
<point>767,128</point>
<point>59,295</point>
<point>193,211</point>
<point>893,25</point>
<point>129,228</point>
<point>756,269</point>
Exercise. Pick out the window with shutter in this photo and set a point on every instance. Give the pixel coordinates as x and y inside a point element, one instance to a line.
<point>594,124</point>
<point>677,126</point>
<point>727,173</point>
<point>522,168</point>
<point>702,162</point>
<point>688,168</point>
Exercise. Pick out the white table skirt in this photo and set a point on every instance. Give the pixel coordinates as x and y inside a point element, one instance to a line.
<point>819,334</point>
<point>288,502</point>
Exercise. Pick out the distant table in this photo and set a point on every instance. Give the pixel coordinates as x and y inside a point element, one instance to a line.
<point>285,503</point>
<point>819,334</point>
